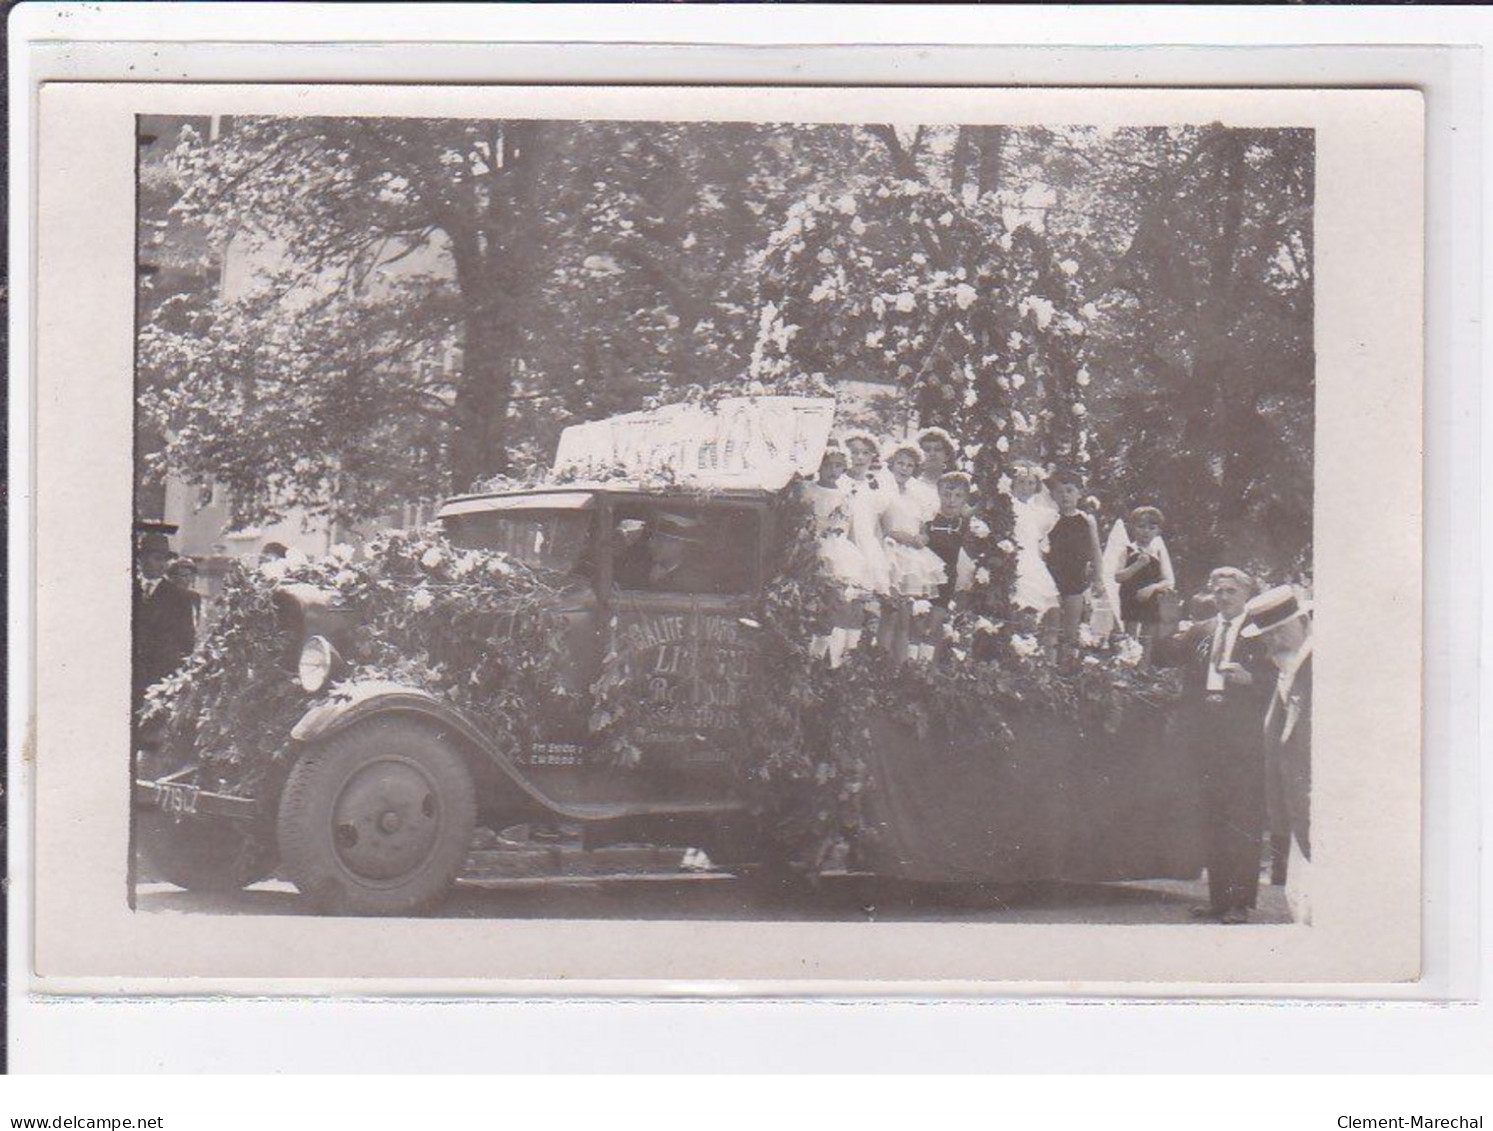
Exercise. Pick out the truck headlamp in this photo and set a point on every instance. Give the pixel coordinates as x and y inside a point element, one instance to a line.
<point>317,662</point>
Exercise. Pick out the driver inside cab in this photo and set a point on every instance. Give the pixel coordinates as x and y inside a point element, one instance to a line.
<point>668,556</point>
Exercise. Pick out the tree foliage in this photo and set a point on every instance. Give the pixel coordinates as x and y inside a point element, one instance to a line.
<point>413,305</point>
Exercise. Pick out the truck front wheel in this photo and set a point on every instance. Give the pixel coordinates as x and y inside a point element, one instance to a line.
<point>377,820</point>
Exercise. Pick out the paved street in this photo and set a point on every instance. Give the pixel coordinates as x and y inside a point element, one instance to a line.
<point>844,899</point>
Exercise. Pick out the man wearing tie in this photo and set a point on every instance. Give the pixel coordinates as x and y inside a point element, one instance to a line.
<point>163,628</point>
<point>1225,681</point>
<point>1280,622</point>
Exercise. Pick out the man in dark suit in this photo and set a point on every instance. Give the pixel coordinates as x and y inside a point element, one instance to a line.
<point>1277,619</point>
<point>1225,680</point>
<point>163,629</point>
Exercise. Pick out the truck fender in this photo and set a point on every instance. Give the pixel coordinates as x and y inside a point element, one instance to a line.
<point>357,700</point>
<point>364,699</point>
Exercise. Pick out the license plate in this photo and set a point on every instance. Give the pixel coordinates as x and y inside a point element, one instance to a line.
<point>177,799</point>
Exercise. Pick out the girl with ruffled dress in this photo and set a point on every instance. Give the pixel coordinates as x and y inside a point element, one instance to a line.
<point>939,452</point>
<point>1033,515</point>
<point>838,555</point>
<point>916,572</point>
<point>866,502</point>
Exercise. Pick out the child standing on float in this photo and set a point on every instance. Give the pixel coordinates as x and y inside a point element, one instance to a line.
<point>838,555</point>
<point>866,504</point>
<point>1144,576</point>
<point>1032,516</point>
<point>947,532</point>
<point>917,573</point>
<point>939,453</point>
<point>1074,559</point>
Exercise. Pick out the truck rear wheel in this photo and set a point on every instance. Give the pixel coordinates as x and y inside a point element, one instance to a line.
<point>202,855</point>
<point>377,820</point>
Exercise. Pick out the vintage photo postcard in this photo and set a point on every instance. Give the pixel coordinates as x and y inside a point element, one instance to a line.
<point>787,538</point>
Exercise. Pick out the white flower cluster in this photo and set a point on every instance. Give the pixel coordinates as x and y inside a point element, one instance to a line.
<point>1025,645</point>
<point>1037,307</point>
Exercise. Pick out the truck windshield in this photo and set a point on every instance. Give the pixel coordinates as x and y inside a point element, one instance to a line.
<point>550,540</point>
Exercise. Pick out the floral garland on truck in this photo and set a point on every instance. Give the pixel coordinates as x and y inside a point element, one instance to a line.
<point>805,754</point>
<point>429,615</point>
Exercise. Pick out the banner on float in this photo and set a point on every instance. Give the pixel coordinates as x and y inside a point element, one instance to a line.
<point>737,442</point>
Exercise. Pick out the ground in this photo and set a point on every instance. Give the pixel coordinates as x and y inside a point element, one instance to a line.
<point>842,899</point>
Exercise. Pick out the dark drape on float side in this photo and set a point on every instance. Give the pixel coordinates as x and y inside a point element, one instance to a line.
<point>1061,804</point>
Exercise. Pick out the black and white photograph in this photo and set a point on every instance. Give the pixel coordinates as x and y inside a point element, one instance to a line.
<point>680,519</point>
<point>554,536</point>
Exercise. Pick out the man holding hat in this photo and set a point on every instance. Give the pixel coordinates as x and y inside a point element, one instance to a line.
<point>1279,621</point>
<point>163,629</point>
<point>1225,679</point>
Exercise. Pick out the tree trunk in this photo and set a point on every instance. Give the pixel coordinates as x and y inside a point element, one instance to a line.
<point>494,267</point>
<point>992,142</point>
<point>960,161</point>
<point>479,448</point>
<point>1226,415</point>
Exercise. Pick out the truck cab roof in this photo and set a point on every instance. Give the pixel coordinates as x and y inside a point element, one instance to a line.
<point>580,497</point>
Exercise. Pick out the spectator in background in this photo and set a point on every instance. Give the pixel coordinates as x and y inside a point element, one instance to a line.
<point>162,625</point>
<point>183,574</point>
<point>273,552</point>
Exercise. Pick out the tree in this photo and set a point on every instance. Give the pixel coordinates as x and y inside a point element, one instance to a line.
<point>432,301</point>
<point>286,392</point>
<point>456,291</point>
<point>1203,357</point>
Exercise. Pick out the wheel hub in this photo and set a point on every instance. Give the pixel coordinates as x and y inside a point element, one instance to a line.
<point>386,820</point>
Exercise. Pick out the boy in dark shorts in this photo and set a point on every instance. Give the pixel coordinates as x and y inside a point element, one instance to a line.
<point>1073,558</point>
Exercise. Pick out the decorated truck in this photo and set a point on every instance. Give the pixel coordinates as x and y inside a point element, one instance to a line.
<point>609,672</point>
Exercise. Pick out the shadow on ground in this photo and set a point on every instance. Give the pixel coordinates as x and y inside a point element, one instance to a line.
<point>840,899</point>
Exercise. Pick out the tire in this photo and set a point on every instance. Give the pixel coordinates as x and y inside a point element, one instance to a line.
<point>377,820</point>
<point>219,857</point>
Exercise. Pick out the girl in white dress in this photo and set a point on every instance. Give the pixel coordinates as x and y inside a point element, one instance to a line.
<point>838,555</point>
<point>939,454</point>
<point>1033,515</point>
<point>867,498</point>
<point>917,572</point>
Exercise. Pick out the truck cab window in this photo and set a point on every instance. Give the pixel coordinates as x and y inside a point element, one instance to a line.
<point>666,547</point>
